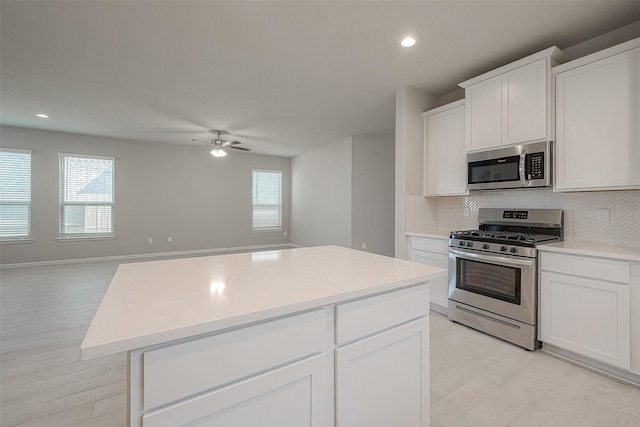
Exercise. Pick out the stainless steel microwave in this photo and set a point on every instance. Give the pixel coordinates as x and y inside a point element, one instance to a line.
<point>516,166</point>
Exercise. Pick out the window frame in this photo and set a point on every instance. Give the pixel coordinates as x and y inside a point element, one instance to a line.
<point>28,237</point>
<point>62,236</point>
<point>279,205</point>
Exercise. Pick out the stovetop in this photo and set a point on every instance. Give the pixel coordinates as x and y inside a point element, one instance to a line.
<point>507,237</point>
<point>511,232</point>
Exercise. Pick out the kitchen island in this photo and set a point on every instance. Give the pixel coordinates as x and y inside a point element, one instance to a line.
<point>309,336</point>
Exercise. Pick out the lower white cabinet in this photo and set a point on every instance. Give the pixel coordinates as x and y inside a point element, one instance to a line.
<point>293,395</point>
<point>435,252</point>
<point>387,367</point>
<point>363,362</point>
<point>584,307</point>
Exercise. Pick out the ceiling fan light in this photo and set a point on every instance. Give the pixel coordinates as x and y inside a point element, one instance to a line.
<point>218,152</point>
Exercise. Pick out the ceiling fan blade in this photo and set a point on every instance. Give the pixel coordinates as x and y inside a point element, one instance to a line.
<point>229,143</point>
<point>233,147</point>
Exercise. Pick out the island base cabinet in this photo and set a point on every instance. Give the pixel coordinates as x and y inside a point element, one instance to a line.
<point>586,316</point>
<point>290,396</point>
<point>391,366</point>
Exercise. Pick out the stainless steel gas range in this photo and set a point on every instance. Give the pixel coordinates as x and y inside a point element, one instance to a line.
<point>493,271</point>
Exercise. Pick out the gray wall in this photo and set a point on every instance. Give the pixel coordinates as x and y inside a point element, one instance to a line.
<point>343,194</point>
<point>321,196</point>
<point>372,190</point>
<point>161,190</point>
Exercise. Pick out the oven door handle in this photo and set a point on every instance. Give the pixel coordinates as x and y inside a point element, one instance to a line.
<point>493,259</point>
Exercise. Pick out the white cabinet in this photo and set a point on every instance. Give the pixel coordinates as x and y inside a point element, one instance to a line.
<point>433,251</point>
<point>234,378</point>
<point>383,356</point>
<point>293,395</point>
<point>380,369</point>
<point>364,362</point>
<point>511,104</point>
<point>444,151</point>
<point>585,306</point>
<point>598,121</point>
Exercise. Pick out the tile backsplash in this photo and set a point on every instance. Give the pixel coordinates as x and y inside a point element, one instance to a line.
<point>609,217</point>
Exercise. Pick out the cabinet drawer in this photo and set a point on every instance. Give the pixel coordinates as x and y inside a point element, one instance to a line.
<point>181,370</point>
<point>299,387</point>
<point>430,258</point>
<point>432,245</point>
<point>370,315</point>
<point>596,268</point>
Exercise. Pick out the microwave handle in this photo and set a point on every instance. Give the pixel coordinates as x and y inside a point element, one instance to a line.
<point>523,168</point>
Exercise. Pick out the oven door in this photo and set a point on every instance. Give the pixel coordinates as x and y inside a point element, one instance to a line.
<point>499,284</point>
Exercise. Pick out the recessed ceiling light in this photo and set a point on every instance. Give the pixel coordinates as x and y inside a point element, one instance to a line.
<point>408,42</point>
<point>42,116</point>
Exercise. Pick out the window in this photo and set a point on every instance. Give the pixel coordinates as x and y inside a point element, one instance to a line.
<point>267,200</point>
<point>86,196</point>
<point>15,195</point>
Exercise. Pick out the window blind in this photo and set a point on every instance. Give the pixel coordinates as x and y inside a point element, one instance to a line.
<point>86,196</point>
<point>15,194</point>
<point>267,200</point>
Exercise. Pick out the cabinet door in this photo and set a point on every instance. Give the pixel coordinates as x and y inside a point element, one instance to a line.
<point>383,380</point>
<point>598,124</point>
<point>446,153</point>
<point>484,114</point>
<point>588,317</point>
<point>438,288</point>
<point>294,395</point>
<point>524,103</point>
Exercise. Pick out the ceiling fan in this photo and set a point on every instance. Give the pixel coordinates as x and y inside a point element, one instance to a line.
<point>218,145</point>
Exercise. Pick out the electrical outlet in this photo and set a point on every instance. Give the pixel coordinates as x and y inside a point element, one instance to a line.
<point>170,239</point>
<point>364,245</point>
<point>604,216</point>
<point>285,234</point>
<point>149,240</point>
<point>466,211</point>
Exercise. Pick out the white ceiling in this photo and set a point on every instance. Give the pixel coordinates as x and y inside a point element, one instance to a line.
<point>282,77</point>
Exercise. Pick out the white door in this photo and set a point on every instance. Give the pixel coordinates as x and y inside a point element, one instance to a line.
<point>484,114</point>
<point>438,288</point>
<point>446,162</point>
<point>384,380</point>
<point>524,103</point>
<point>598,124</point>
<point>292,396</point>
<point>588,317</point>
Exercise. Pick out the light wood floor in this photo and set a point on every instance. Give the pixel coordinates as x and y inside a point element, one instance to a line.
<point>476,380</point>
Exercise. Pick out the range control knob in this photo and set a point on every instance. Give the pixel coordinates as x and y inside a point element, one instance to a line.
<point>460,243</point>
<point>513,250</point>
<point>503,248</point>
<point>469,244</point>
<point>485,246</point>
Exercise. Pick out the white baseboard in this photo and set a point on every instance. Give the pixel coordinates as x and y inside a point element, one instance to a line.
<point>152,255</point>
<point>594,365</point>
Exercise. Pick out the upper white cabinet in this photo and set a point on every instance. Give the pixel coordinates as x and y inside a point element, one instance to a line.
<point>598,121</point>
<point>511,104</point>
<point>444,150</point>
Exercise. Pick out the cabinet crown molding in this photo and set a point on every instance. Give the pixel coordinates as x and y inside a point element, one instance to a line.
<point>552,52</point>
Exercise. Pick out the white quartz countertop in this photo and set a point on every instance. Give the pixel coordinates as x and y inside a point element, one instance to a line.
<point>155,302</point>
<point>592,249</point>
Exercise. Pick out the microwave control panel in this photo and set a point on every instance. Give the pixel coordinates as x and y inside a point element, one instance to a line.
<point>535,166</point>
